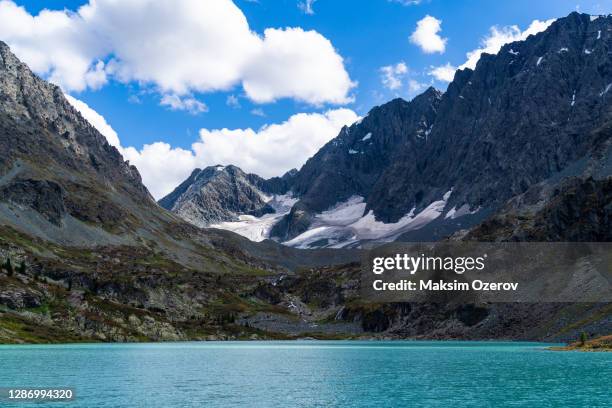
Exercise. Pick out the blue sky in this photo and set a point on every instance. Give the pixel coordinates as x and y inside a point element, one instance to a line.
<point>367,35</point>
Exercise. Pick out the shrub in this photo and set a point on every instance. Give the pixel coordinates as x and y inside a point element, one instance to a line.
<point>8,266</point>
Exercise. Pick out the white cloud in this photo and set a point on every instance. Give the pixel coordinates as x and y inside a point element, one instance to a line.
<point>189,104</point>
<point>179,47</point>
<point>297,64</point>
<point>273,149</point>
<point>269,151</point>
<point>161,166</point>
<point>391,75</point>
<point>426,35</point>
<point>497,37</point>
<point>444,73</point>
<point>96,120</point>
<point>306,6</point>
<point>46,44</point>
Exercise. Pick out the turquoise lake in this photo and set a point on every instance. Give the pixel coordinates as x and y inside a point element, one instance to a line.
<point>311,374</point>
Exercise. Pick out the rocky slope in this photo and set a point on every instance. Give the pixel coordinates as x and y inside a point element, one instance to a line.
<point>423,169</point>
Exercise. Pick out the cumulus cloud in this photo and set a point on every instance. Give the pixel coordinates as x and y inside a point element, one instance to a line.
<point>273,149</point>
<point>391,75</point>
<point>297,64</point>
<point>189,104</point>
<point>46,44</point>
<point>269,151</point>
<point>426,35</point>
<point>161,166</point>
<point>179,47</point>
<point>497,37</point>
<point>444,73</point>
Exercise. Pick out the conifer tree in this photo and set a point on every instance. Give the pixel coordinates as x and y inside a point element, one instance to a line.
<point>9,267</point>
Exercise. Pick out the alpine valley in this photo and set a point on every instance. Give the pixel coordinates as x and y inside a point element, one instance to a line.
<point>518,149</point>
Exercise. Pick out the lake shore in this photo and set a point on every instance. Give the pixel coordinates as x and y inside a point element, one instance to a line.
<point>599,344</point>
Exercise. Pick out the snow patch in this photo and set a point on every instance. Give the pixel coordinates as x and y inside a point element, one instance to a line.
<point>367,137</point>
<point>598,34</point>
<point>573,98</point>
<point>258,228</point>
<point>513,52</point>
<point>587,51</point>
<point>454,213</point>
<point>563,49</point>
<point>539,61</point>
<point>351,151</point>
<point>345,225</point>
<point>344,213</point>
<point>605,91</point>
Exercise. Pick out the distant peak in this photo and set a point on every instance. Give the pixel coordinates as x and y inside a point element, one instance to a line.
<point>291,173</point>
<point>431,92</point>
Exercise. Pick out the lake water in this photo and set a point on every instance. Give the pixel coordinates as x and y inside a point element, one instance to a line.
<point>311,374</point>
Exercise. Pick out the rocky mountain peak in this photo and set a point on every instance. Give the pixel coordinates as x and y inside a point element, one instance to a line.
<point>216,194</point>
<point>37,104</point>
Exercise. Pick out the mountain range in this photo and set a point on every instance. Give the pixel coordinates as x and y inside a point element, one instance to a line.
<point>516,150</point>
<point>443,162</point>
